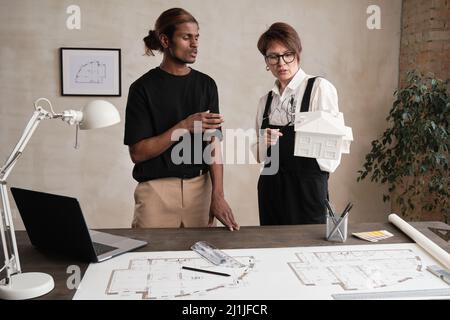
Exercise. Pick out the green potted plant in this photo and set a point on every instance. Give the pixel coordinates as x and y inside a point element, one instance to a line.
<point>412,155</point>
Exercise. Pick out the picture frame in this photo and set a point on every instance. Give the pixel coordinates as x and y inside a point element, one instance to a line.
<point>90,71</point>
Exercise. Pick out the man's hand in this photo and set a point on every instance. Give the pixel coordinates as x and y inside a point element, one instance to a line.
<point>208,120</point>
<point>222,211</point>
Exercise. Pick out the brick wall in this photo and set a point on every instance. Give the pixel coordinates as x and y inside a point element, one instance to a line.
<point>425,46</point>
<point>425,40</point>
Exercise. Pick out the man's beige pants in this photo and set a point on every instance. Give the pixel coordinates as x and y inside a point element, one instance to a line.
<point>172,203</point>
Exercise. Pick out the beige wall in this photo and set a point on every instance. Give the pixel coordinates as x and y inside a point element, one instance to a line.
<point>362,63</point>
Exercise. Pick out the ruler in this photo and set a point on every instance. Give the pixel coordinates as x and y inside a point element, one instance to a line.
<point>424,293</point>
<point>215,256</point>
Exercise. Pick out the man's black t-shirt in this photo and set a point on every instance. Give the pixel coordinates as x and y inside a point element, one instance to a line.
<point>156,102</point>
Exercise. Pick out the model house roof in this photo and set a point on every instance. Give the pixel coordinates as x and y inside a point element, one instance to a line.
<point>319,122</point>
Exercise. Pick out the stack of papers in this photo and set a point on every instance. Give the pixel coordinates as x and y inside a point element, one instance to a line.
<point>373,236</point>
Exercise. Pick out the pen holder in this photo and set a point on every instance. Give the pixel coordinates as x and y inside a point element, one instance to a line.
<point>337,229</point>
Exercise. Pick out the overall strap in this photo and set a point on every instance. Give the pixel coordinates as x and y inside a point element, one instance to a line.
<point>307,95</point>
<point>265,122</point>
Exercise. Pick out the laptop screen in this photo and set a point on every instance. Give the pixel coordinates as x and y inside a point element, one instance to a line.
<point>54,223</point>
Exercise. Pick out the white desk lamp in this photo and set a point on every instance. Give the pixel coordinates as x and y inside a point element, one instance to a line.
<point>18,285</point>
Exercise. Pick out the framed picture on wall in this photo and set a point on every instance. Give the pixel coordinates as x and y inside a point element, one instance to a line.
<point>90,72</point>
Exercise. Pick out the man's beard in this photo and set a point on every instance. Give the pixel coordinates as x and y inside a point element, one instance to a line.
<point>179,60</point>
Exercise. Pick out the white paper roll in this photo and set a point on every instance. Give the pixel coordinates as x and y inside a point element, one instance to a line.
<point>429,246</point>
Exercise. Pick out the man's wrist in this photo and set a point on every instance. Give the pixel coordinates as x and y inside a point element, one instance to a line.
<point>217,194</point>
<point>180,125</point>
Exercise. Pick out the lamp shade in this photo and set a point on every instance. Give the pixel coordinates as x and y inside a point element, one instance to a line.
<point>99,114</point>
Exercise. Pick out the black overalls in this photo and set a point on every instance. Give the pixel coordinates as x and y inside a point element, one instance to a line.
<point>296,193</point>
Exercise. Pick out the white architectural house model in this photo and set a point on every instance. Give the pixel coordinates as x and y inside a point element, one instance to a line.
<point>321,135</point>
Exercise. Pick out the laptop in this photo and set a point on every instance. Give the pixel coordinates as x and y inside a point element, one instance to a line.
<point>55,224</point>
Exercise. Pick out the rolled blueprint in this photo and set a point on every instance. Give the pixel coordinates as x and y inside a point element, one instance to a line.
<point>429,246</point>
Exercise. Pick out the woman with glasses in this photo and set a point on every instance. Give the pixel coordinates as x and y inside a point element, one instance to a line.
<point>296,192</point>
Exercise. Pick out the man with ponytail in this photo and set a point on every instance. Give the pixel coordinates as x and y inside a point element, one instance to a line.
<point>166,101</point>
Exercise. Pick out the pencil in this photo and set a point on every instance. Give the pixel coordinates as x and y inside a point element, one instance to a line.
<point>206,271</point>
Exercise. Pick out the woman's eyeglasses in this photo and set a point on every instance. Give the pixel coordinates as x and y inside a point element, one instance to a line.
<point>287,57</point>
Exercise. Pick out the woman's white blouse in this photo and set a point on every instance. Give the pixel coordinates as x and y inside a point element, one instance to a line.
<point>323,98</point>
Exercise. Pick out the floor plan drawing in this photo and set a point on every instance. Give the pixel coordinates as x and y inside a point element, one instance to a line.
<point>321,272</point>
<point>165,279</point>
<point>353,270</point>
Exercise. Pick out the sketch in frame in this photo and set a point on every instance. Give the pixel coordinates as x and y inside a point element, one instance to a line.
<point>90,72</point>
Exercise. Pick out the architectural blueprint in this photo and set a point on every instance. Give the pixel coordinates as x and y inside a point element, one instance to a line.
<point>163,278</point>
<point>276,273</point>
<point>353,269</point>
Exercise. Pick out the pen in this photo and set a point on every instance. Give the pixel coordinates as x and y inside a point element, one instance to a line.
<point>329,208</point>
<point>206,271</point>
<point>346,208</point>
<point>292,105</point>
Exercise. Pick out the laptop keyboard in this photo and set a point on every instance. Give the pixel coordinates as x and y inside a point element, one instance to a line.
<point>101,248</point>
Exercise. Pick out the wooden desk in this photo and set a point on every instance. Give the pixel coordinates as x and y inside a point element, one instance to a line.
<point>182,239</point>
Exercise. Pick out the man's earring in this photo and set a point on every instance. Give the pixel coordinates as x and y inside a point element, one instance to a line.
<point>267,68</point>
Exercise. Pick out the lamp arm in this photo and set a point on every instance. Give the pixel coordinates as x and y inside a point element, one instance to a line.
<point>8,237</point>
<point>36,118</point>
<point>12,262</point>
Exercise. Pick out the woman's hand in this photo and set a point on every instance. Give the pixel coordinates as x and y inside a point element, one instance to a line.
<point>271,136</point>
